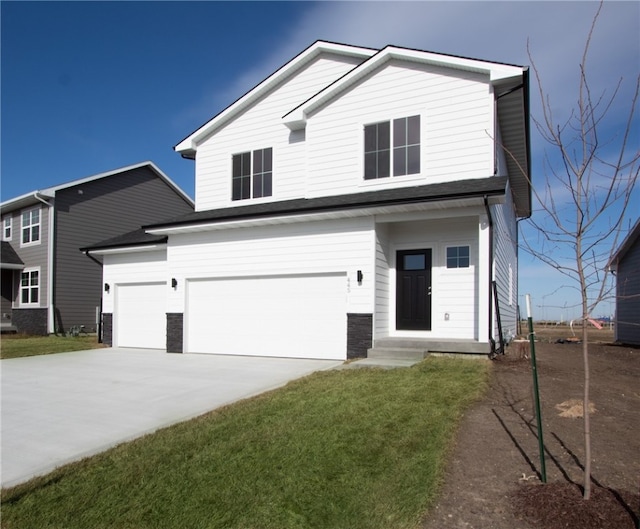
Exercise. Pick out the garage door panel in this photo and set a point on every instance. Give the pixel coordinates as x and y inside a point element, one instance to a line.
<point>293,316</point>
<point>141,316</point>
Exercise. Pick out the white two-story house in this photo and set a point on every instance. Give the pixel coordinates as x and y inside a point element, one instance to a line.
<point>354,199</point>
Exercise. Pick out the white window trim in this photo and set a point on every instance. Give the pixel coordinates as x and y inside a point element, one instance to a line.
<point>22,226</point>
<point>5,226</point>
<point>20,288</point>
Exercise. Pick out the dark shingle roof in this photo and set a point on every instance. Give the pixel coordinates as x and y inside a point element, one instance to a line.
<point>9,255</point>
<point>405,195</point>
<point>137,237</point>
<point>474,188</point>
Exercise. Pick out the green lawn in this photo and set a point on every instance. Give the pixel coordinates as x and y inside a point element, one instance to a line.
<point>352,449</point>
<point>17,345</point>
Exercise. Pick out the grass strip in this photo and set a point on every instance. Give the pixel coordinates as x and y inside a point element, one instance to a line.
<point>359,448</point>
<point>18,346</point>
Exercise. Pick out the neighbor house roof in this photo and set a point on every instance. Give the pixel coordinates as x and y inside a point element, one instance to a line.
<point>9,259</point>
<point>627,244</point>
<point>42,195</point>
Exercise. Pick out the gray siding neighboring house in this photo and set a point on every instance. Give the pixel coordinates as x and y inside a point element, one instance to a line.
<point>626,265</point>
<point>71,216</point>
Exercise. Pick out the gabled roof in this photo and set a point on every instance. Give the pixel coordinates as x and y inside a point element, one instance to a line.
<point>510,83</point>
<point>188,145</point>
<point>296,118</point>
<point>9,259</point>
<point>627,244</point>
<point>42,195</point>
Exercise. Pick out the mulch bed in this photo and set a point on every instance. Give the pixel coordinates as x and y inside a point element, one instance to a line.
<point>493,477</point>
<point>561,506</point>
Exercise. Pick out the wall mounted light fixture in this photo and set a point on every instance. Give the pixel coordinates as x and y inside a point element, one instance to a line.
<point>174,282</point>
<point>359,276</point>
<point>107,287</point>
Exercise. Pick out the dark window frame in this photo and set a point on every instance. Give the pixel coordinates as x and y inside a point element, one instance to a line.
<point>392,148</point>
<point>252,174</point>
<point>458,256</point>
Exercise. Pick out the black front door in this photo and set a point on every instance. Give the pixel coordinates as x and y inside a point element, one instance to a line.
<point>413,290</point>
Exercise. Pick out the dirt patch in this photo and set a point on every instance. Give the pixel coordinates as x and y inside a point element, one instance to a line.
<point>493,477</point>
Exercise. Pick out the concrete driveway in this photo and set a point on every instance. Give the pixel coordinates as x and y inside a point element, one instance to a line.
<point>61,408</point>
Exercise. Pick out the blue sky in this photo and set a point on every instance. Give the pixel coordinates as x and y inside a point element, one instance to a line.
<point>88,87</point>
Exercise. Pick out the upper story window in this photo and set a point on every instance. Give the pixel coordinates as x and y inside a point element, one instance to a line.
<point>6,228</point>
<point>458,257</point>
<point>29,287</point>
<point>252,175</point>
<point>31,226</point>
<point>396,146</point>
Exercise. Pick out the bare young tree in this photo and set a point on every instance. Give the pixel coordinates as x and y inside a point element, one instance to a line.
<point>591,170</point>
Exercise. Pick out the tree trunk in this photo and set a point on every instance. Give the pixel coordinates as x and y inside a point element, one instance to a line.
<point>585,409</point>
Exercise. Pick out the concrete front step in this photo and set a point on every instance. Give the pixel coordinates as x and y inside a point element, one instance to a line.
<point>404,353</point>
<point>417,349</point>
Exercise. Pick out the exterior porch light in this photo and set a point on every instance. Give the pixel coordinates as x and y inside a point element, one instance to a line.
<point>359,276</point>
<point>174,282</point>
<point>107,287</point>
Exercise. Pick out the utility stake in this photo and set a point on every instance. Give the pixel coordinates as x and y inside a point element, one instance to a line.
<point>543,470</point>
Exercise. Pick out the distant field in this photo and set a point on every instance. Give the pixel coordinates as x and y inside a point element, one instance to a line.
<point>550,333</point>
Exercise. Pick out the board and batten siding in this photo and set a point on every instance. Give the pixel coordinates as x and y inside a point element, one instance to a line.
<point>628,296</point>
<point>95,211</point>
<point>260,127</point>
<point>132,268</point>
<point>506,266</point>
<point>339,246</point>
<point>456,118</point>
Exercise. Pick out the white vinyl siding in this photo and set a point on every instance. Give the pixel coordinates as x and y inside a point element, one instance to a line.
<point>341,246</point>
<point>259,126</point>
<point>506,266</point>
<point>455,127</point>
<point>132,268</point>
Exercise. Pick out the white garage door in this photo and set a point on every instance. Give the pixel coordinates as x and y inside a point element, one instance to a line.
<point>141,316</point>
<point>289,316</point>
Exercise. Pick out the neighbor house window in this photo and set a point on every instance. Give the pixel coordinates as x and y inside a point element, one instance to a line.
<point>458,257</point>
<point>387,146</point>
<point>31,226</point>
<point>6,228</point>
<point>252,174</point>
<point>29,287</point>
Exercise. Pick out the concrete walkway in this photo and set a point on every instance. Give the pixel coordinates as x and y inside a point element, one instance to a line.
<point>61,408</point>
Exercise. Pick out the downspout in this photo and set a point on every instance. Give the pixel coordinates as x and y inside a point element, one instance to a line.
<point>50,262</point>
<point>99,322</point>
<point>492,342</point>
